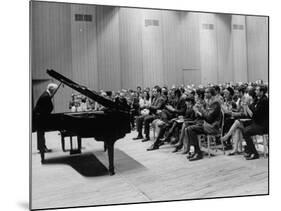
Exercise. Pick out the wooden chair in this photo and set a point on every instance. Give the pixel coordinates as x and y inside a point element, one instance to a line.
<point>264,143</point>
<point>211,138</point>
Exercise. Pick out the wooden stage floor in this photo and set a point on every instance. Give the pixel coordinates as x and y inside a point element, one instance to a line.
<point>141,176</point>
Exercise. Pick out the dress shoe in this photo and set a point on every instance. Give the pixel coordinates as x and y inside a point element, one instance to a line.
<point>175,150</point>
<point>153,147</point>
<point>165,140</point>
<point>174,142</point>
<point>247,155</point>
<point>43,161</point>
<point>184,152</point>
<point>197,156</point>
<point>145,140</point>
<point>228,147</point>
<point>160,143</point>
<point>190,155</point>
<point>252,157</point>
<point>47,150</point>
<point>138,137</point>
<point>111,173</point>
<point>232,153</point>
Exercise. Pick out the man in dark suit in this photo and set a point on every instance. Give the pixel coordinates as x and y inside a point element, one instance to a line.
<point>41,112</point>
<point>211,125</point>
<point>157,104</point>
<point>259,123</point>
<point>177,107</point>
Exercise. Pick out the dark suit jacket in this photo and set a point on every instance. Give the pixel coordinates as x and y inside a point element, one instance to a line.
<point>43,108</point>
<point>157,104</point>
<point>261,112</point>
<point>180,106</point>
<point>212,117</point>
<point>44,105</point>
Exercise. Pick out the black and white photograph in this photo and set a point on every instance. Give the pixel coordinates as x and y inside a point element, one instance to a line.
<point>134,105</point>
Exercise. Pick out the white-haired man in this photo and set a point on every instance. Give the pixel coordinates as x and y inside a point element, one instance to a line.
<point>42,110</point>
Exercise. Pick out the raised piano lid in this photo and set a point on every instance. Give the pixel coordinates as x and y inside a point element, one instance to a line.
<point>85,91</point>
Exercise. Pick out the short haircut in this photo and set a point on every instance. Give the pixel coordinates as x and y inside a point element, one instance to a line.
<point>52,86</point>
<point>192,92</point>
<point>231,91</point>
<point>200,92</point>
<point>217,88</point>
<point>178,92</point>
<point>157,89</point>
<point>164,91</point>
<point>109,93</point>
<point>241,89</point>
<point>212,91</point>
<point>263,88</point>
<point>190,99</point>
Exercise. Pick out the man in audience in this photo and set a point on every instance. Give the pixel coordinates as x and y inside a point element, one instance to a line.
<point>177,108</point>
<point>211,124</point>
<point>259,123</point>
<point>218,96</point>
<point>188,119</point>
<point>157,104</point>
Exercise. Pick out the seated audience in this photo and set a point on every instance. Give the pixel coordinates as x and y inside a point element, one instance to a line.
<point>157,104</point>
<point>176,108</point>
<point>211,124</point>
<point>259,123</point>
<point>187,120</point>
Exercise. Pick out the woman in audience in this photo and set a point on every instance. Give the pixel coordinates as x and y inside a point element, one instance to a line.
<point>135,107</point>
<point>187,120</point>
<point>228,107</point>
<point>199,104</point>
<point>245,111</point>
<point>144,100</point>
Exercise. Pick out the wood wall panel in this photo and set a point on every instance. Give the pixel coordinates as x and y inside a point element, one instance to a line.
<point>131,47</point>
<point>116,50</point>
<point>51,41</point>
<point>239,49</point>
<point>171,32</point>
<point>108,48</point>
<point>51,46</point>
<point>152,49</point>
<point>190,40</point>
<point>84,47</point>
<point>190,48</point>
<point>224,46</point>
<point>257,47</point>
<point>208,49</point>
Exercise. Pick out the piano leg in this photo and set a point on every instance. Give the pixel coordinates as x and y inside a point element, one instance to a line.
<point>41,145</point>
<point>78,150</point>
<point>62,140</point>
<point>110,150</point>
<point>79,143</point>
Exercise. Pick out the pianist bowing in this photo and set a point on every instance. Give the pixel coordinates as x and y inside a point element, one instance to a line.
<point>41,113</point>
<point>115,117</point>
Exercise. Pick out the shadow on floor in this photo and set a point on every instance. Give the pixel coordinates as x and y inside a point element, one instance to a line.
<point>123,162</point>
<point>86,164</point>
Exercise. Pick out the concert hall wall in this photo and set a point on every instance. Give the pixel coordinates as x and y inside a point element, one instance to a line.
<point>122,48</point>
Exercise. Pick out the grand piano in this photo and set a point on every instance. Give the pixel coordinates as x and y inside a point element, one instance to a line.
<point>108,125</point>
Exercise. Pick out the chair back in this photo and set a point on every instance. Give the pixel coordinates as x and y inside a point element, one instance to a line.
<point>222,123</point>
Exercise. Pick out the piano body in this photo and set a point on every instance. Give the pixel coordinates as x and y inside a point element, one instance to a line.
<point>108,126</point>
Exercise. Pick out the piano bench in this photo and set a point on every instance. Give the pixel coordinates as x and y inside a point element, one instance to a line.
<point>64,134</point>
